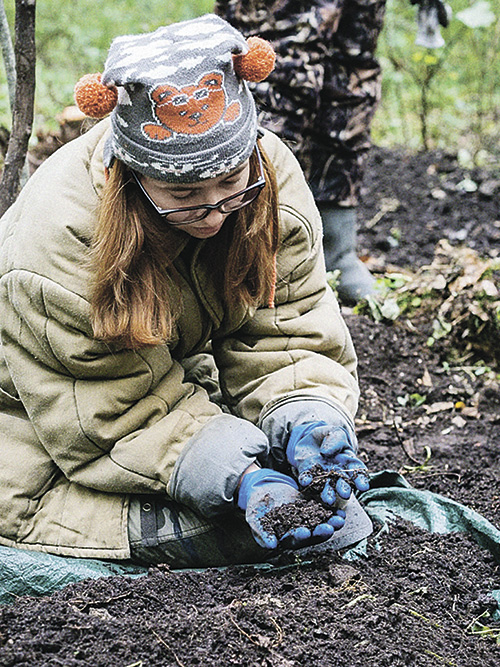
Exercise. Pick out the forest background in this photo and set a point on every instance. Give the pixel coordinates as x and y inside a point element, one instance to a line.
<point>446,98</point>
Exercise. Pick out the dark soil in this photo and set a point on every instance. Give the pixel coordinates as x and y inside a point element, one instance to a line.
<point>302,512</point>
<point>411,201</point>
<point>321,477</point>
<point>417,599</point>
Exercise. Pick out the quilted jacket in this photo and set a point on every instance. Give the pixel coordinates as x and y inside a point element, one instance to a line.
<point>84,424</point>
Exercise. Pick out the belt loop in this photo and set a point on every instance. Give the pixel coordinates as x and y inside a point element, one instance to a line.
<point>149,526</point>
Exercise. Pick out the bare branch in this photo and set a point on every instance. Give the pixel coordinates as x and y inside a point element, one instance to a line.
<point>22,117</point>
<point>8,55</point>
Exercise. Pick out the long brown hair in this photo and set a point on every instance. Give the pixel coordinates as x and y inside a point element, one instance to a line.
<point>135,298</point>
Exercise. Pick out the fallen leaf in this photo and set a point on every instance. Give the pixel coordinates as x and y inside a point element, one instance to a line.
<point>467,185</point>
<point>439,282</point>
<point>439,194</point>
<point>489,287</point>
<point>488,187</point>
<point>440,406</point>
<point>426,379</point>
<point>458,421</point>
<point>471,412</point>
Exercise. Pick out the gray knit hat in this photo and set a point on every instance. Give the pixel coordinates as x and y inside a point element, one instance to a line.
<point>183,110</point>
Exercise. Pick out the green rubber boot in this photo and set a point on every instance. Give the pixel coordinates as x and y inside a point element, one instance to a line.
<point>339,240</point>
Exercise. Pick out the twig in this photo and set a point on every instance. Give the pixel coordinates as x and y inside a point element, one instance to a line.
<point>279,631</point>
<point>386,206</point>
<point>162,641</point>
<point>402,445</point>
<point>260,644</point>
<point>451,663</point>
<point>442,473</point>
<point>417,614</point>
<point>96,603</point>
<point>245,634</point>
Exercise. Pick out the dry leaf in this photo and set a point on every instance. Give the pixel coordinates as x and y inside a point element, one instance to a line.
<point>489,287</point>
<point>458,421</point>
<point>471,412</point>
<point>426,379</point>
<point>440,406</point>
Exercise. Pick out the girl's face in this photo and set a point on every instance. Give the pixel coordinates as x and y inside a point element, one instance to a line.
<point>211,191</point>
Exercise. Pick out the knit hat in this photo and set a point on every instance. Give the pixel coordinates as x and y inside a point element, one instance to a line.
<point>183,110</point>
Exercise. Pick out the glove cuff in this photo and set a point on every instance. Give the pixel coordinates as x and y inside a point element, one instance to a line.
<point>207,473</point>
<point>258,478</point>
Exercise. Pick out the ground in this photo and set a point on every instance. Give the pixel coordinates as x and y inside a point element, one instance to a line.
<point>417,598</point>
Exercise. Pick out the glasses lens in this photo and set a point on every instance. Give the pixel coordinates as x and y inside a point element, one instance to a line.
<point>182,217</point>
<point>242,199</point>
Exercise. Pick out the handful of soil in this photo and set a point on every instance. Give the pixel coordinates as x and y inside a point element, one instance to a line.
<point>308,511</point>
<point>321,476</point>
<point>302,512</point>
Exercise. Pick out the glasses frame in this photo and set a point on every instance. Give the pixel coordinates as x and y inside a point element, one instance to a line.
<point>208,208</point>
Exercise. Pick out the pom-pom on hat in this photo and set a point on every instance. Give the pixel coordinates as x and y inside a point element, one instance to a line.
<point>93,98</point>
<point>183,111</point>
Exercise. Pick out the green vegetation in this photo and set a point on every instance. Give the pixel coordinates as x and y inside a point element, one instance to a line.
<point>446,97</point>
<point>73,38</point>
<point>457,295</point>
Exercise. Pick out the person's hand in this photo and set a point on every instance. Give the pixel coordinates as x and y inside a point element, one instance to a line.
<point>264,490</point>
<point>321,451</point>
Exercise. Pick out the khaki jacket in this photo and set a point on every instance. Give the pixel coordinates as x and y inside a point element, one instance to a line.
<point>83,424</point>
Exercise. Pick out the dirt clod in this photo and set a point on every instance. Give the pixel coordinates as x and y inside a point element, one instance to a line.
<point>302,512</point>
<point>321,477</point>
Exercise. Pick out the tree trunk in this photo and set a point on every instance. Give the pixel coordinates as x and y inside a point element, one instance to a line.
<point>22,116</point>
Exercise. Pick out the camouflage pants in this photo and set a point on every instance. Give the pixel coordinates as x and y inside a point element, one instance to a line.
<point>164,531</point>
<point>323,92</point>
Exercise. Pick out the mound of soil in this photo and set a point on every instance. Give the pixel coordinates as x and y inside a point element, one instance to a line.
<point>411,201</point>
<point>417,599</point>
<point>412,602</point>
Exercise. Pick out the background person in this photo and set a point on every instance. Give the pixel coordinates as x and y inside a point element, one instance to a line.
<point>321,99</point>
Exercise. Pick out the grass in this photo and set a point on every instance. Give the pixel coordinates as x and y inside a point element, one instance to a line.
<point>73,38</point>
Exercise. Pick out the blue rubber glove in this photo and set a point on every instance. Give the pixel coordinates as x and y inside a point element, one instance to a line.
<point>328,448</point>
<point>265,489</point>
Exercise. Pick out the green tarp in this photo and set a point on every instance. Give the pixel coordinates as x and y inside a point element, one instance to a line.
<point>36,573</point>
<point>390,495</point>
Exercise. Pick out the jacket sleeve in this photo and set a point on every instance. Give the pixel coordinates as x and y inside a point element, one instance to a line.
<point>113,420</point>
<point>301,348</point>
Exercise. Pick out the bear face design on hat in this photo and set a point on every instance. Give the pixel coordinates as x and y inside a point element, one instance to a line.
<point>192,109</point>
<point>183,110</point>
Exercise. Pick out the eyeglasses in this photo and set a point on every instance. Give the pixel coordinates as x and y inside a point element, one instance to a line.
<point>188,214</point>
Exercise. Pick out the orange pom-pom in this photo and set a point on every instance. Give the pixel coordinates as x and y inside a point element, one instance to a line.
<point>258,63</point>
<point>93,98</point>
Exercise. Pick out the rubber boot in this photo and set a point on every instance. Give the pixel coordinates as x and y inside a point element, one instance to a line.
<point>339,240</point>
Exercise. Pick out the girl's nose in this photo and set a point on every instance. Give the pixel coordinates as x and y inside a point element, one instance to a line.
<point>214,218</point>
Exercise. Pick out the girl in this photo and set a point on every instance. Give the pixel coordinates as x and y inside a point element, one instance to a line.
<point>172,225</point>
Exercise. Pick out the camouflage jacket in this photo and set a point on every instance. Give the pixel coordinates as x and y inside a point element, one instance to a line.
<point>323,92</point>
